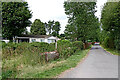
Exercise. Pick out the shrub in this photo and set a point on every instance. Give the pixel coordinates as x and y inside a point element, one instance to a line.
<point>117,44</point>
<point>78,45</point>
<point>63,44</point>
<point>19,48</point>
<point>22,47</point>
<point>108,43</point>
<point>40,46</point>
<point>8,49</point>
<point>2,44</point>
<point>52,46</point>
<point>63,48</point>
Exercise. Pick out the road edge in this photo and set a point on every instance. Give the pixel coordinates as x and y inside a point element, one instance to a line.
<point>107,51</point>
<point>81,61</point>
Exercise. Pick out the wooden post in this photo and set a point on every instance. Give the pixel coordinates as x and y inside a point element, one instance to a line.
<point>56,44</point>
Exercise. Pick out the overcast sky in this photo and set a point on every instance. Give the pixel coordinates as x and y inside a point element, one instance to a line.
<point>46,10</point>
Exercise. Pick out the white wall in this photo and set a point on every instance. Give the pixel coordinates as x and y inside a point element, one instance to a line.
<point>38,40</point>
<point>47,40</point>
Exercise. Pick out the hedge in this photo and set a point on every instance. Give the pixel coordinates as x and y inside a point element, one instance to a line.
<point>78,45</point>
<point>20,48</point>
<point>67,48</point>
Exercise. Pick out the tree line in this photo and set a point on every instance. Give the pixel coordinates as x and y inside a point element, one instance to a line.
<point>40,28</point>
<point>110,23</point>
<point>82,25</point>
<point>16,17</point>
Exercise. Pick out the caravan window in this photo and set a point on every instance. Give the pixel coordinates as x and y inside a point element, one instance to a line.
<point>33,40</point>
<point>51,40</point>
<point>42,40</point>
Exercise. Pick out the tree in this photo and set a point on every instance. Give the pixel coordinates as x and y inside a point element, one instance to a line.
<point>56,29</point>
<point>38,28</point>
<point>50,26</point>
<point>15,18</point>
<point>110,21</point>
<point>82,20</point>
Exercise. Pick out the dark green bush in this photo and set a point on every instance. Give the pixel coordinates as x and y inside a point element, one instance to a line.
<point>19,48</point>
<point>40,46</point>
<point>109,43</point>
<point>64,48</point>
<point>78,45</point>
<point>63,44</point>
<point>117,44</point>
<point>52,46</point>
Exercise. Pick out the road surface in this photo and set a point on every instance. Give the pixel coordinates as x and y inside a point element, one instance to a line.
<point>98,64</point>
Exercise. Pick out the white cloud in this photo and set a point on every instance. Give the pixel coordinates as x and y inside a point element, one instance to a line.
<point>46,10</point>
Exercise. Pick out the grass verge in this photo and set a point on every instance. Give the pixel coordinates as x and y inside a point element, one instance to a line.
<point>52,69</point>
<point>111,51</point>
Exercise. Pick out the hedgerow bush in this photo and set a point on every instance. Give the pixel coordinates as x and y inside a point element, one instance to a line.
<point>117,44</point>
<point>52,46</point>
<point>63,47</point>
<point>109,43</point>
<point>19,48</point>
<point>66,48</point>
<point>31,54</point>
<point>78,45</point>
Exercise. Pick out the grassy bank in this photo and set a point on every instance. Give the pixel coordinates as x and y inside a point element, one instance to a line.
<point>50,70</point>
<point>112,51</point>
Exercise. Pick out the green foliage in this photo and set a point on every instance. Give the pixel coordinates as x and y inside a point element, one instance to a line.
<point>109,43</point>
<point>66,48</point>
<point>50,26</point>
<point>117,44</point>
<point>70,62</point>
<point>15,18</point>
<point>2,44</point>
<point>56,29</point>
<point>106,44</point>
<point>33,58</point>
<point>52,46</point>
<point>53,27</point>
<point>83,24</point>
<point>30,54</point>
<point>63,48</point>
<point>78,44</point>
<point>17,56</point>
<point>44,71</point>
<point>38,28</point>
<point>111,25</point>
<point>20,48</point>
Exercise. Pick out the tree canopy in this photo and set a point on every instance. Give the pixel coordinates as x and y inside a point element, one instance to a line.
<point>82,23</point>
<point>110,21</point>
<point>53,27</point>
<point>38,28</point>
<point>56,28</point>
<point>15,18</point>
